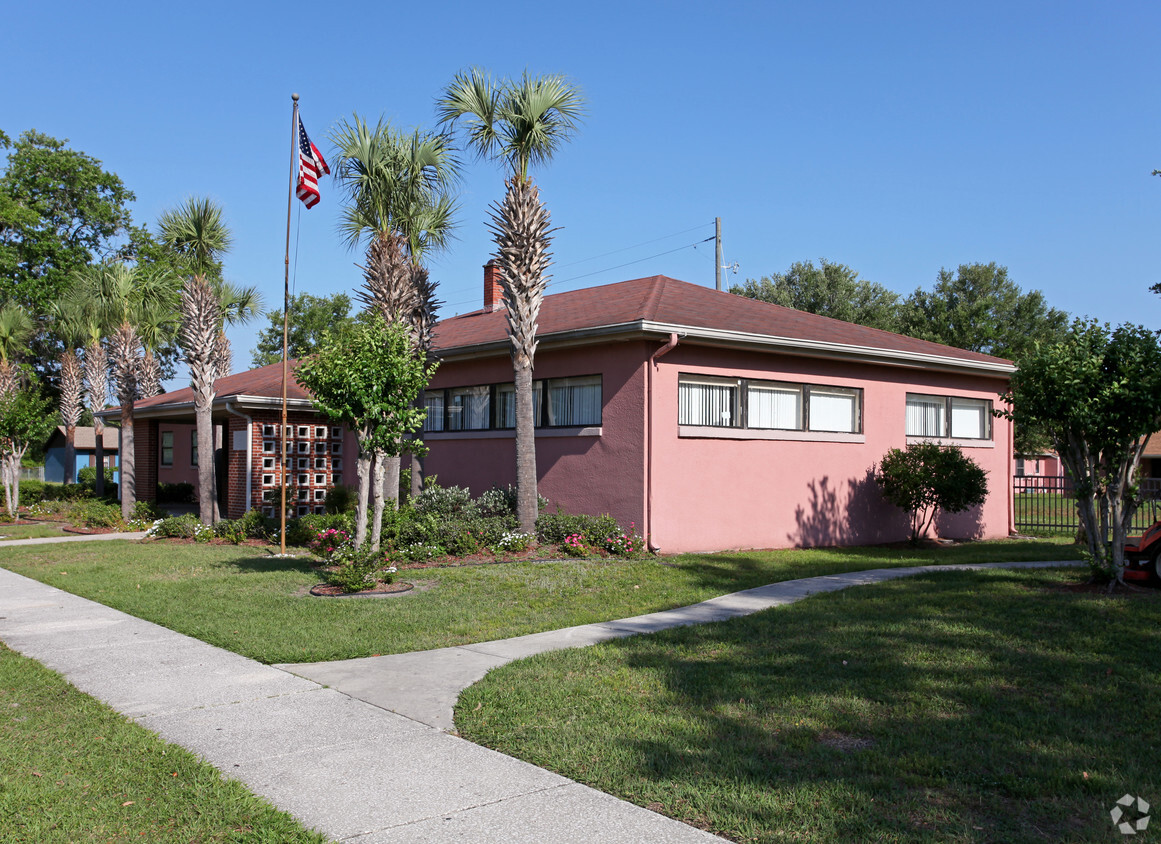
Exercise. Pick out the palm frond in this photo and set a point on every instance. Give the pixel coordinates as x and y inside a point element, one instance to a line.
<point>197,230</point>
<point>474,98</point>
<point>16,329</point>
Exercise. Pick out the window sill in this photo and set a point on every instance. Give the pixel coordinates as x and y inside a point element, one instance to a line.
<point>510,433</point>
<point>713,433</point>
<point>951,441</point>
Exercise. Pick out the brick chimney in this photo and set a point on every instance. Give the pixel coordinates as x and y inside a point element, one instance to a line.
<point>493,290</point>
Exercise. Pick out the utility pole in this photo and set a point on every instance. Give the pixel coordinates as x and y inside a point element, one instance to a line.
<point>718,252</point>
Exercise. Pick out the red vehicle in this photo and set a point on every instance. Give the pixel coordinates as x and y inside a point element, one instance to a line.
<point>1143,556</point>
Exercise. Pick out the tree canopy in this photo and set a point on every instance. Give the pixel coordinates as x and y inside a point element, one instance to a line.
<point>59,211</point>
<point>830,289</point>
<point>979,308</point>
<point>310,319</point>
<point>1096,392</point>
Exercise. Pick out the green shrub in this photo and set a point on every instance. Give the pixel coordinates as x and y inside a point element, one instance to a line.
<point>341,499</point>
<point>361,569</point>
<point>185,526</point>
<point>445,501</point>
<point>97,514</point>
<point>302,531</point>
<point>554,528</point>
<point>501,501</point>
<point>87,476</point>
<point>926,477</point>
<point>31,492</point>
<point>179,493</point>
<point>147,511</point>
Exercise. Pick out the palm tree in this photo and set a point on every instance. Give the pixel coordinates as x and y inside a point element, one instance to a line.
<point>521,122</point>
<point>16,329</point>
<point>197,232</point>
<point>68,324</point>
<point>398,200</point>
<point>116,296</point>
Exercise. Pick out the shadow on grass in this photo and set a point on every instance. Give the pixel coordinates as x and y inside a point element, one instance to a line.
<point>303,563</point>
<point>931,705</point>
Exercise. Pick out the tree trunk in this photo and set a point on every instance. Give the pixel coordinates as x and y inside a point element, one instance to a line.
<point>9,492</point>
<point>416,475</point>
<point>17,458</point>
<point>363,470</point>
<point>526,498</point>
<point>70,457</point>
<point>205,434</point>
<point>128,463</point>
<point>381,474</point>
<point>99,434</point>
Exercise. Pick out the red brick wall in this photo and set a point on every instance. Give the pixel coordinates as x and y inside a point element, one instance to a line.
<point>317,464</point>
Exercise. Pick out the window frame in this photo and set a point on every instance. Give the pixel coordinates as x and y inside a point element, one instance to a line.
<point>163,449</point>
<point>444,396</point>
<point>193,447</point>
<point>949,403</point>
<point>742,412</point>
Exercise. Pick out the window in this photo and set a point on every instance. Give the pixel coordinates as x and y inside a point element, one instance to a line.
<point>193,448</point>
<point>948,416</point>
<point>710,402</point>
<point>304,448</point>
<point>320,463</point>
<point>320,480</point>
<point>772,405</point>
<point>267,480</point>
<point>267,462</point>
<point>337,478</point>
<point>304,463</point>
<point>268,430</point>
<point>336,433</point>
<point>1019,467</point>
<point>572,402</point>
<point>303,431</point>
<point>167,448</point>
<point>320,495</point>
<point>320,448</point>
<point>833,409</point>
<point>433,402</point>
<point>303,480</point>
<point>268,447</point>
<point>468,409</point>
<point>320,433</point>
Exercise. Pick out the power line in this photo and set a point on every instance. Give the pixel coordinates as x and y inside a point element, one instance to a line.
<point>630,263</point>
<point>634,246</point>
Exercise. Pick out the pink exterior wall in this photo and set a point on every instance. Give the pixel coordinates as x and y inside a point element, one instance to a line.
<point>579,473</point>
<point>182,470</point>
<point>716,493</point>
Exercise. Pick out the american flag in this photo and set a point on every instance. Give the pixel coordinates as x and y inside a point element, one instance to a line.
<point>310,165</point>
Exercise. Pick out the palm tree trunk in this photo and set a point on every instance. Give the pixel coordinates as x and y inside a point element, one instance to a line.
<point>526,498</point>
<point>205,434</point>
<point>128,463</point>
<point>70,457</point>
<point>99,434</point>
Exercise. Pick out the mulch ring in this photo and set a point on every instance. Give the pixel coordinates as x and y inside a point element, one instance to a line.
<point>379,590</point>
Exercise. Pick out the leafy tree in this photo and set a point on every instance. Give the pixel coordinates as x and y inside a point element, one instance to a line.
<point>980,309</point>
<point>59,211</point>
<point>26,418</point>
<point>926,478</point>
<point>310,318</point>
<point>367,378</point>
<point>520,122</point>
<point>830,289</point>
<point>1097,393</point>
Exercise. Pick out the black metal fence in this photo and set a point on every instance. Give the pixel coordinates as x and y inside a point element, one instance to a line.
<point>1047,505</point>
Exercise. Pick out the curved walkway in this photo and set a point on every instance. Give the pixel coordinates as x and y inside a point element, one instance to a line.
<point>424,685</point>
<point>80,537</point>
<point>362,761</point>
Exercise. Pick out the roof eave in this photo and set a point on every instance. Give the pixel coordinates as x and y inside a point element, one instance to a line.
<point>642,329</point>
<point>184,408</point>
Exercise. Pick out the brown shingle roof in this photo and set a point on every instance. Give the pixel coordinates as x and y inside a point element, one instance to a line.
<point>265,381</point>
<point>664,300</point>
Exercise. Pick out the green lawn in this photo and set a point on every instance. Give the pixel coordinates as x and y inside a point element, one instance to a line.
<point>255,605</point>
<point>961,707</point>
<point>75,771</point>
<point>28,531</point>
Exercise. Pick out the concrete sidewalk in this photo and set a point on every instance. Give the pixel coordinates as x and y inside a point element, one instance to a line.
<point>425,685</point>
<point>85,537</point>
<point>336,758</point>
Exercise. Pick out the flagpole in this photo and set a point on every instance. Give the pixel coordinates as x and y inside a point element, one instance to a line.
<point>286,319</point>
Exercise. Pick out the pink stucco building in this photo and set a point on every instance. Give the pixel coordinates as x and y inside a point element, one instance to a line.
<point>712,421</point>
<point>707,420</point>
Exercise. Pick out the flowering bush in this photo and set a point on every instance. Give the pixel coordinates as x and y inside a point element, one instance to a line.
<point>359,568</point>
<point>420,552</point>
<point>626,544</point>
<point>514,540</point>
<point>327,542</point>
<point>574,545</point>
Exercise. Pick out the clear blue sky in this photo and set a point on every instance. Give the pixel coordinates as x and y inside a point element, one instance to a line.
<point>895,138</point>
